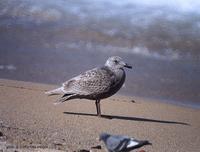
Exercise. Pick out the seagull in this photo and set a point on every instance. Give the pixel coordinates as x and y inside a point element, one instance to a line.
<point>118,143</point>
<point>95,84</point>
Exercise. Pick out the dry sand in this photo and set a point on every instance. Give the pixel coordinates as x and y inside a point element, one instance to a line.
<point>29,120</point>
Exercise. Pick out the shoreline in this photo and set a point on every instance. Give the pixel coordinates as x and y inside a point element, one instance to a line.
<point>31,120</point>
<point>187,104</point>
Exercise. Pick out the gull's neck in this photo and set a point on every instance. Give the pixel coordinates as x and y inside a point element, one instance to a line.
<point>111,68</point>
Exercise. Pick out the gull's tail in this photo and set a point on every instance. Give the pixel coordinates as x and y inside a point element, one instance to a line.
<point>58,91</point>
<point>65,98</point>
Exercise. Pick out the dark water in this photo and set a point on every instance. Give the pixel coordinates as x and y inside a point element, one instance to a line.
<point>51,41</point>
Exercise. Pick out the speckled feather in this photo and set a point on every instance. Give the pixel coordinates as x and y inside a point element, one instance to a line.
<point>91,83</point>
<point>95,84</point>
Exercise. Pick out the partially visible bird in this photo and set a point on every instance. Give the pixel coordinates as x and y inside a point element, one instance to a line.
<point>95,84</point>
<point>118,143</point>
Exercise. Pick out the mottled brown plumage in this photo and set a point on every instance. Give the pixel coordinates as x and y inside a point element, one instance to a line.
<point>95,84</point>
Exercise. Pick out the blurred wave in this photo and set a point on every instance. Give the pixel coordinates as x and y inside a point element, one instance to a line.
<point>136,50</point>
<point>42,41</point>
<point>158,29</point>
<point>7,67</point>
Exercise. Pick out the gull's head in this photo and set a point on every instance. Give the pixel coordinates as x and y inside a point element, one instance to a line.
<point>116,62</point>
<point>103,136</point>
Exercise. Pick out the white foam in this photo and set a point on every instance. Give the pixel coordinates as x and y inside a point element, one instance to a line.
<point>1,67</point>
<point>181,5</point>
<point>9,67</point>
<point>41,11</point>
<point>166,54</point>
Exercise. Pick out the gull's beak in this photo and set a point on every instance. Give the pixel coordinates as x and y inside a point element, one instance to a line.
<point>127,66</point>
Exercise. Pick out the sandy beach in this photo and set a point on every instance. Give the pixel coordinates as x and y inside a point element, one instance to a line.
<point>44,43</point>
<point>30,121</point>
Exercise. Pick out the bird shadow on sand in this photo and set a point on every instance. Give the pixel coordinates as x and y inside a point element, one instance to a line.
<point>128,118</point>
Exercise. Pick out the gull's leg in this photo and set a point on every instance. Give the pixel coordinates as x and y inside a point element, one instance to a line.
<point>96,102</point>
<point>99,108</point>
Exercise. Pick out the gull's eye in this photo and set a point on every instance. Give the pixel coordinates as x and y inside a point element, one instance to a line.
<point>115,61</point>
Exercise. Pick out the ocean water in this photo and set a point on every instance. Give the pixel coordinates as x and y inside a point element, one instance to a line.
<point>52,41</point>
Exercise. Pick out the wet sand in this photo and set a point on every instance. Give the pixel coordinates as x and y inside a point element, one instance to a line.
<point>30,120</point>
